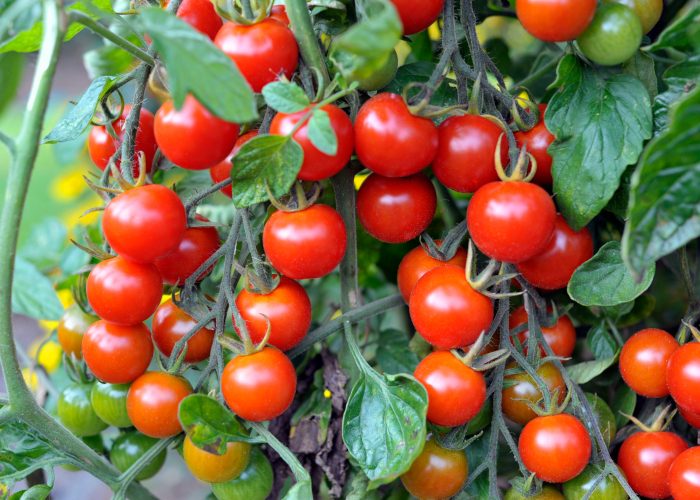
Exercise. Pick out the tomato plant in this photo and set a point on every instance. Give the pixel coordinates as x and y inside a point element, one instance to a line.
<point>170,324</point>
<point>417,16</point>
<point>683,475</point>
<point>608,489</point>
<point>526,389</point>
<point>222,171</point>
<point>548,493</point>
<point>212,468</point>
<point>76,413</point>
<point>417,262</point>
<point>558,21</point>
<point>436,473</point>
<point>538,139</point>
<point>129,447</point>
<point>613,36</point>
<point>561,337</point>
<point>644,360</point>
<point>71,328</point>
<point>201,15</point>
<point>109,403</point>
<point>648,11</point>
<point>683,377</point>
<point>254,483</point>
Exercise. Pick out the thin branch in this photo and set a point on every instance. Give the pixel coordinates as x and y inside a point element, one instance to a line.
<point>688,278</point>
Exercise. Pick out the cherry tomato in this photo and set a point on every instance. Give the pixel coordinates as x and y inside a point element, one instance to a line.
<point>465,155</point>
<point>201,15</point>
<point>124,293</point>
<point>561,337</point>
<point>288,308</point>
<point>691,418</point>
<point>317,165</point>
<point>447,311</point>
<point>511,221</point>
<point>608,489</point>
<point>109,403</point>
<point>648,11</point>
<point>76,413</point>
<point>71,328</point>
<point>261,52</point>
<point>195,247</point>
<point>456,393</point>
<point>538,140</point>
<point>555,20</point>
<point>683,377</point>
<point>279,12</point>
<point>526,388</point>
<point>117,354</point>
<point>646,457</point>
<point>254,483</point>
<point>102,146</point>
<point>306,244</point>
<point>377,79</point>
<point>392,142</point>
<point>153,401</point>
<point>437,473</point>
<point>613,37</point>
<point>548,493</point>
<point>260,386</point>
<point>396,210</point>
<point>417,15</point>
<point>555,448</point>
<point>417,262</point>
<point>684,475</point>
<point>170,324</point>
<point>644,359</point>
<point>212,468</point>
<point>222,171</point>
<point>553,267</point>
<point>129,447</point>
<point>145,224</point>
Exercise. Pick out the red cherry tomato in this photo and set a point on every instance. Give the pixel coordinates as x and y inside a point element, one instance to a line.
<point>222,171</point>
<point>102,146</point>
<point>192,137</point>
<point>646,457</point>
<point>437,473</point>
<point>279,12</point>
<point>691,418</point>
<point>684,475</point>
<point>561,337</point>
<point>511,221</point>
<point>417,262</point>
<point>145,224</point>
<point>465,156</point>
<point>538,140</point>
<point>201,15</point>
<point>555,20</point>
<point>553,267</point>
<point>456,393</point>
<point>417,15</point>
<point>644,359</point>
<point>447,311</point>
<point>390,141</point>
<point>170,324</point>
<point>196,246</point>
<point>117,354</point>
<point>124,293</point>
<point>317,165</point>
<point>395,210</point>
<point>261,52</point>
<point>260,386</point>
<point>152,403</point>
<point>306,244</point>
<point>555,448</point>
<point>683,377</point>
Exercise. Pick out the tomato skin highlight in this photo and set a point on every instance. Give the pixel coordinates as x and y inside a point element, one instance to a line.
<point>396,210</point>
<point>170,324</point>
<point>129,447</point>
<point>390,141</point>
<point>684,475</point>
<point>417,262</point>
<point>109,403</point>
<point>644,361</point>
<point>538,139</point>
<point>212,468</point>
<point>260,386</point>
<point>152,403</point>
<point>306,244</point>
<point>222,171</point>
<point>526,388</point>
<point>318,165</point>
<point>71,329</point>
<point>76,413</point>
<point>437,473</point>
<point>201,15</point>
<point>613,37</point>
<point>117,354</point>
<point>555,20</point>
<point>254,483</point>
<point>456,393</point>
<point>418,15</point>
<point>683,377</point>
<point>561,337</point>
<point>465,155</point>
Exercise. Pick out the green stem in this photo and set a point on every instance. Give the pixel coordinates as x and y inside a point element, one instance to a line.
<point>133,471</point>
<point>299,472</point>
<point>449,210</point>
<point>688,278</point>
<point>247,10</point>
<point>539,73</point>
<point>300,19</point>
<point>615,332</point>
<point>344,186</point>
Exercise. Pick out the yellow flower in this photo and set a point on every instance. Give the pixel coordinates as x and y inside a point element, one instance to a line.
<point>327,393</point>
<point>31,379</point>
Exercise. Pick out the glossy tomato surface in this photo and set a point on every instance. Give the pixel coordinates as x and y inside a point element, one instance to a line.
<point>437,473</point>
<point>76,413</point>
<point>279,12</point>
<point>260,386</point>
<point>465,156</point>
<point>683,377</point>
<point>684,475</point>
<point>555,20</point>
<point>261,52</point>
<point>377,79</point>
<point>644,359</point>
<point>691,418</point>
<point>152,403</point>
<point>390,141</point>
<point>222,171</point>
<point>548,493</point>
<point>109,402</point>
<point>613,37</point>
<point>170,324</point>
<point>456,392</point>
<point>511,221</point>
<point>117,354</point>
<point>608,489</point>
<point>254,483</point>
<point>526,388</point>
<point>396,210</point>
<point>538,140</point>
<point>417,15</point>
<point>71,328</point>
<point>648,11</point>
<point>212,468</point>
<point>417,262</point>
<point>306,244</point>
<point>561,337</point>
<point>145,224</point>
<point>318,165</point>
<point>124,293</point>
<point>447,311</point>
<point>201,15</point>
<point>129,447</point>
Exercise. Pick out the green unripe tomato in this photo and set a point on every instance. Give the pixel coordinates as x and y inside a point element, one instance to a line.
<point>482,419</point>
<point>129,447</point>
<point>380,78</point>
<point>76,413</point>
<point>648,11</point>
<point>604,417</point>
<point>254,483</point>
<point>613,36</point>
<point>109,402</point>
<point>94,442</point>
<point>609,489</point>
<point>548,493</point>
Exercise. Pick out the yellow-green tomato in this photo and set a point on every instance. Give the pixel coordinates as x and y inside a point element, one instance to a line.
<point>109,402</point>
<point>76,413</point>
<point>548,493</point>
<point>379,78</point>
<point>613,37</point>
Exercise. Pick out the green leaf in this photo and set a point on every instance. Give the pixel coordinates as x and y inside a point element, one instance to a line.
<point>624,401</point>
<point>195,65</point>
<point>641,66</point>
<point>321,133</point>
<point>107,60</point>
<point>680,79</point>
<point>643,306</point>
<point>477,452</point>
<point>604,280</point>
<point>682,35</point>
<point>444,96</point>
<point>359,489</point>
<point>191,182</point>
<point>600,342</point>
<point>600,127</point>
<point>33,294</point>
<point>274,158</point>
<point>300,491</point>
<point>24,450</point>
<point>285,97</point>
<point>315,407</point>
<point>37,492</point>
<point>45,243</point>
<point>665,190</point>
<point>11,65</point>
<point>587,371</point>
<point>393,353</point>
